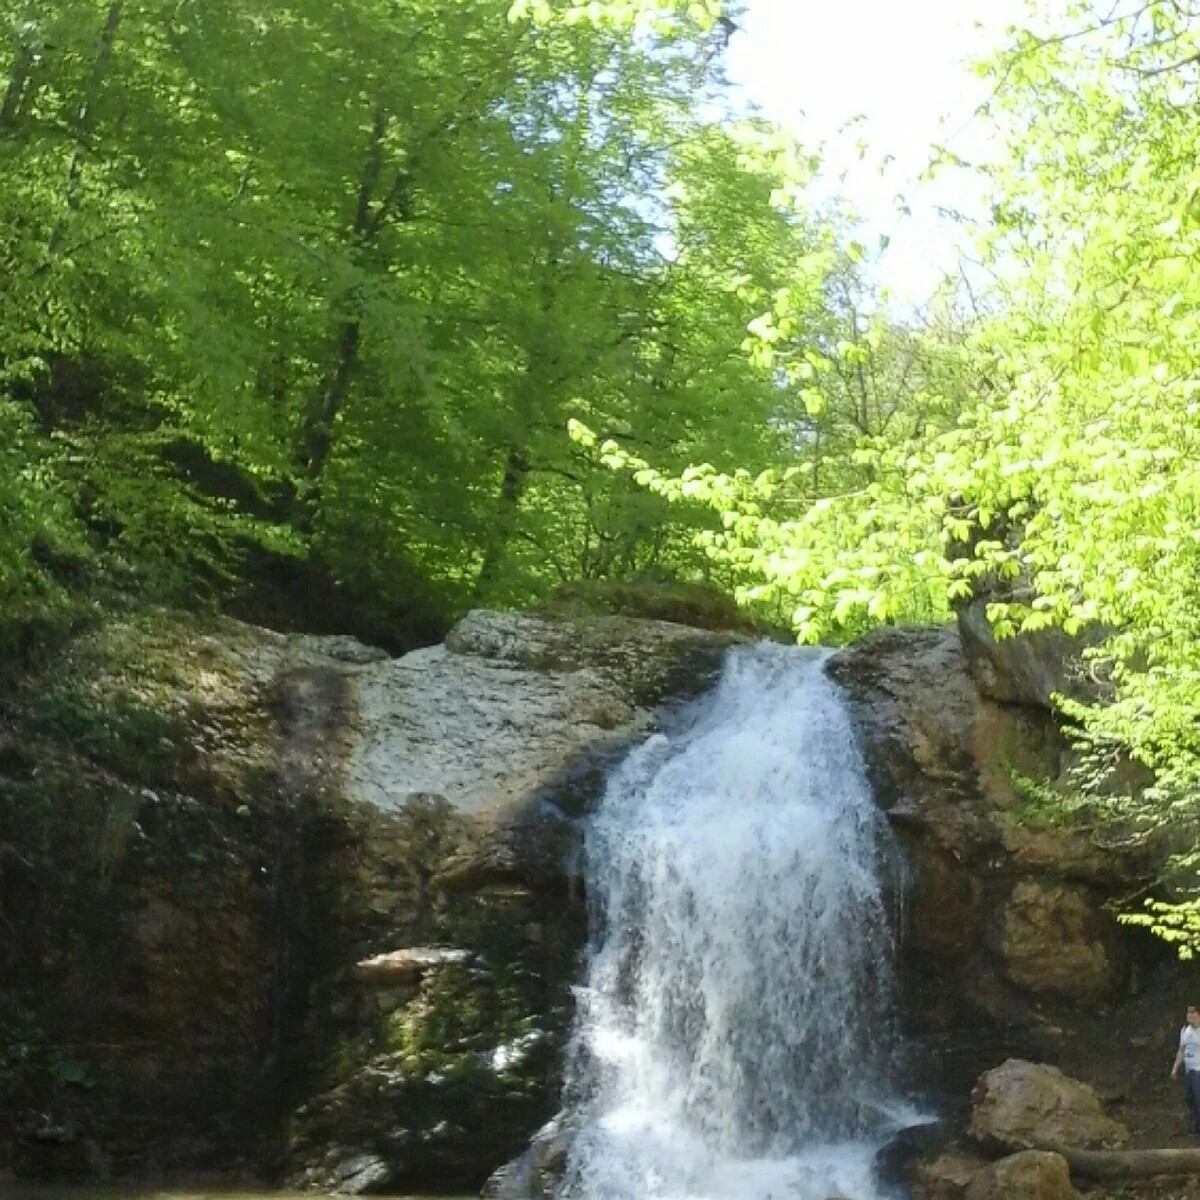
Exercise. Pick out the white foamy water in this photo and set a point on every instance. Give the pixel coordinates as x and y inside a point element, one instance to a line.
<point>734,1039</point>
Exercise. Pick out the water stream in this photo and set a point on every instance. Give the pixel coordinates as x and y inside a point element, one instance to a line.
<point>735,1038</point>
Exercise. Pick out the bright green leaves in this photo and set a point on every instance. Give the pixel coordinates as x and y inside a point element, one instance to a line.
<point>1042,453</point>
<point>643,16</point>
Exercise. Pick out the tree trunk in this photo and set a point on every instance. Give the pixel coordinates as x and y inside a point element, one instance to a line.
<point>512,487</point>
<point>331,399</point>
<point>85,120</point>
<point>1129,1164</point>
<point>15,91</point>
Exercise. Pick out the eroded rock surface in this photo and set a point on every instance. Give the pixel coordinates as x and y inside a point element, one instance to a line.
<point>294,865</point>
<point>265,865</point>
<point>1027,1106</point>
<point>1009,940</point>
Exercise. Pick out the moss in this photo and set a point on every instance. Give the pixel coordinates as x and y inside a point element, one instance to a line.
<point>455,1016</point>
<point>690,604</point>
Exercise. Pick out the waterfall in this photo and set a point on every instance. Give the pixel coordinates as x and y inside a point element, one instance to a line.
<point>734,1038</point>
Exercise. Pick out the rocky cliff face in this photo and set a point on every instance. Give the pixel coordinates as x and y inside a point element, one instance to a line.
<point>1010,946</point>
<point>308,903</point>
<point>317,907</point>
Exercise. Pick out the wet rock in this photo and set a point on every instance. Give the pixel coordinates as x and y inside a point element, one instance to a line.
<point>1028,1175</point>
<point>535,1174</point>
<point>895,1159</point>
<point>1024,1106</point>
<point>361,1175</point>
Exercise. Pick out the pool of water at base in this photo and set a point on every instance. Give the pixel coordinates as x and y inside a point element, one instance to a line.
<point>29,1191</point>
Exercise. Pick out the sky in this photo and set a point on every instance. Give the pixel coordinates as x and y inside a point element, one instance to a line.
<point>815,66</point>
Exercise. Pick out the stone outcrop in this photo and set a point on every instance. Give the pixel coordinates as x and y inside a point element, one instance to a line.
<point>1026,1106</point>
<point>296,865</point>
<point>478,756</point>
<point>1030,669</point>
<point>501,715</point>
<point>1008,937</point>
<point>1043,916</point>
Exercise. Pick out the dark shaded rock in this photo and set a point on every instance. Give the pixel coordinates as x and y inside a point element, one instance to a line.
<point>459,1120</point>
<point>361,1175</point>
<point>947,1177</point>
<point>894,1160</point>
<point>1029,668</point>
<point>535,1174</point>
<point>1007,933</point>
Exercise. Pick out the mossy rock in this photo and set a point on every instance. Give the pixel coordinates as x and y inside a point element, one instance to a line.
<point>694,604</point>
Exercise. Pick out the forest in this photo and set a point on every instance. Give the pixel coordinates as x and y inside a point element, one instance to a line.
<point>351,317</point>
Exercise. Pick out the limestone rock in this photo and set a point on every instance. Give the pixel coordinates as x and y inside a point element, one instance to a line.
<point>497,716</point>
<point>1053,941</point>
<point>1027,1175</point>
<point>406,966</point>
<point>1022,1106</point>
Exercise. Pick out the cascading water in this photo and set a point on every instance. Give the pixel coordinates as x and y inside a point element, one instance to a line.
<point>734,1038</point>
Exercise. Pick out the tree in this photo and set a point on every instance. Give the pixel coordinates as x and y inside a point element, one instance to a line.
<point>1072,466</point>
<point>288,279</point>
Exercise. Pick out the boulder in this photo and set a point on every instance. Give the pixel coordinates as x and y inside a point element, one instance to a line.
<point>947,1177</point>
<point>360,1175</point>
<point>895,1159</point>
<point>535,1174</point>
<point>1054,942</point>
<point>1025,1106</point>
<point>1027,1175</point>
<point>406,966</point>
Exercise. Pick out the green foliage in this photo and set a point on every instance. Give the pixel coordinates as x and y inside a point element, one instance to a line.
<point>1041,802</point>
<point>1045,456</point>
<point>298,279</point>
<point>118,732</point>
<point>1176,923</point>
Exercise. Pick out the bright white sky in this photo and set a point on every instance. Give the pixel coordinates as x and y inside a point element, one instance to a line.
<point>900,65</point>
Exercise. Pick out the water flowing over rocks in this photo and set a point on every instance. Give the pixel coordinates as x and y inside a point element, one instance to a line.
<point>323,909</point>
<point>733,1038</point>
